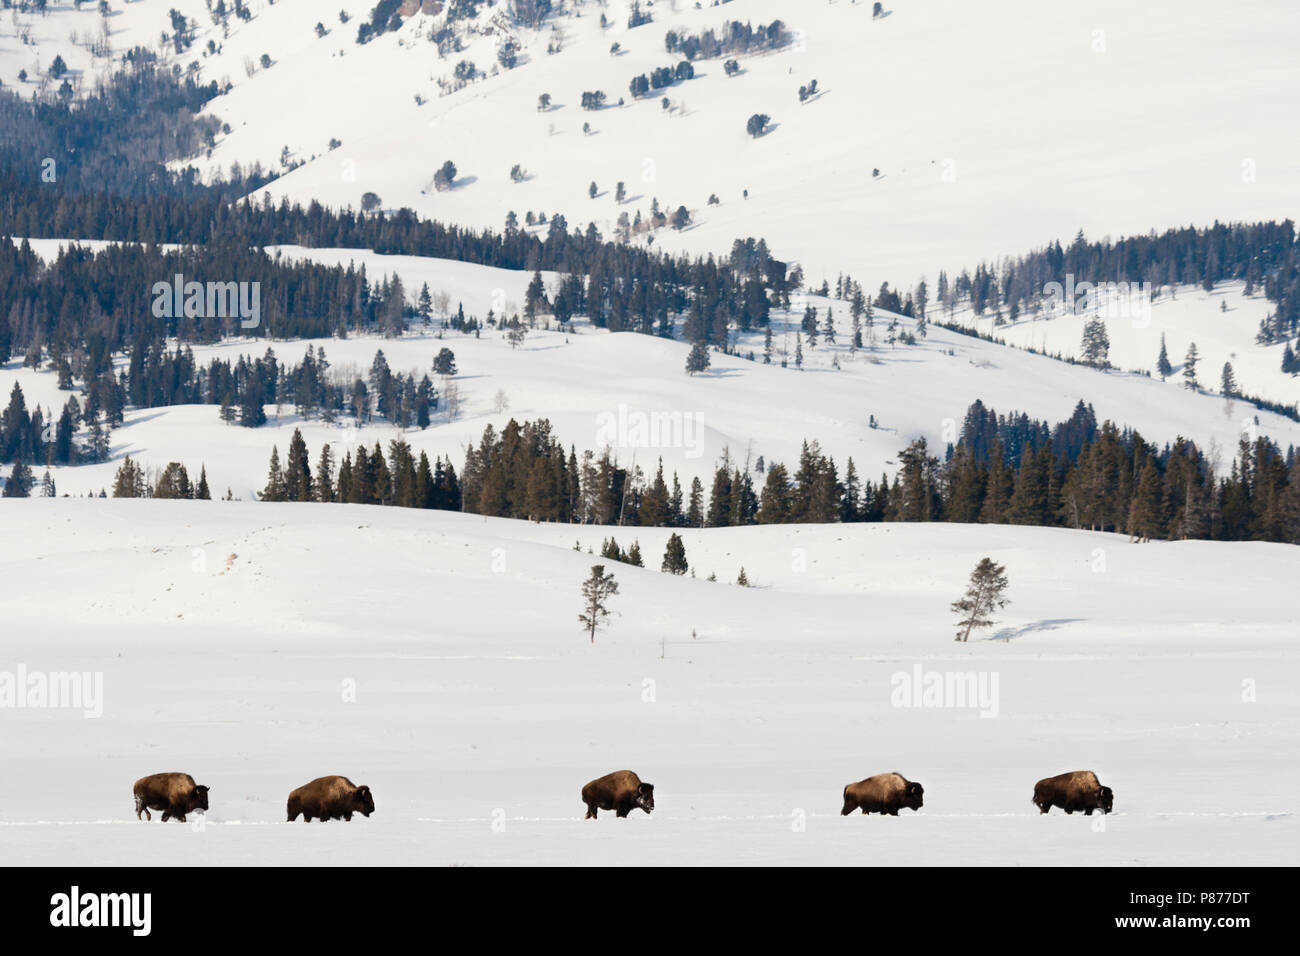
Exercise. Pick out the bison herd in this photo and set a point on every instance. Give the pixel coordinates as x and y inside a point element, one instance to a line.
<point>337,798</point>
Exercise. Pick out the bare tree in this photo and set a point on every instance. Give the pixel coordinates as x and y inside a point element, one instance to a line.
<point>452,400</point>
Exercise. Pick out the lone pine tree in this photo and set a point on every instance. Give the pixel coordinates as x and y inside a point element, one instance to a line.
<point>596,590</point>
<point>1096,343</point>
<point>983,596</point>
<point>1162,363</point>
<point>674,555</point>
<point>1189,367</point>
<point>697,360</point>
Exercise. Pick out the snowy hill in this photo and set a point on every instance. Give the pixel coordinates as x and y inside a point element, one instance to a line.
<point>984,148</point>
<point>1222,323</point>
<point>601,389</point>
<point>229,636</point>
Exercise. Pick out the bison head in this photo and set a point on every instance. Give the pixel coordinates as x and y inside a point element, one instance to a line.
<point>1105,798</point>
<point>913,795</point>
<point>362,802</point>
<point>199,798</point>
<point>645,797</point>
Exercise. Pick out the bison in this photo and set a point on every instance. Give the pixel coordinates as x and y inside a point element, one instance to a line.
<point>1077,790</point>
<point>175,794</point>
<point>621,791</point>
<point>330,798</point>
<point>885,793</point>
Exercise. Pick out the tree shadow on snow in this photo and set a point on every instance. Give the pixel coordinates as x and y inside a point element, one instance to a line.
<point>1008,633</point>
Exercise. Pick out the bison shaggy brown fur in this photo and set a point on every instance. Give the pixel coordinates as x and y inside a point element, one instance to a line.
<point>330,798</point>
<point>175,794</point>
<point>1077,790</point>
<point>621,791</point>
<point>884,793</point>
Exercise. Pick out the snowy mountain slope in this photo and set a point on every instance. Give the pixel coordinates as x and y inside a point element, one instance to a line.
<point>909,94</point>
<point>1188,315</point>
<point>630,392</point>
<point>985,148</point>
<point>226,634</point>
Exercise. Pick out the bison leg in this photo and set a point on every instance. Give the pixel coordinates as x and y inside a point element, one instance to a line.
<point>166,816</point>
<point>621,811</point>
<point>179,816</point>
<point>591,812</point>
<point>347,817</point>
<point>1088,812</point>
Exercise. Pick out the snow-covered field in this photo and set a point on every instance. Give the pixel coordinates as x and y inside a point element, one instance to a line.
<point>231,636</point>
<point>437,657</point>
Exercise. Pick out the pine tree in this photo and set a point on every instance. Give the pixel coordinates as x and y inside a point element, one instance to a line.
<point>173,483</point>
<point>596,590</point>
<point>424,304</point>
<point>674,556</point>
<point>695,505</point>
<point>129,481</point>
<point>202,492</point>
<point>1162,363</point>
<point>983,596</point>
<point>697,360</point>
<point>20,480</point>
<point>1096,344</point>
<point>274,490</point>
<point>297,473</point>
<point>1228,381</point>
<point>742,579</point>
<point>1189,367</point>
<point>534,297</point>
<point>1146,508</point>
<point>444,363</point>
<point>323,489</point>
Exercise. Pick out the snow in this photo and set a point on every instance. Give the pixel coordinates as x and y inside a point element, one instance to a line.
<point>1184,315</point>
<point>225,633</point>
<point>986,148</point>
<point>230,635</point>
<point>600,388</point>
